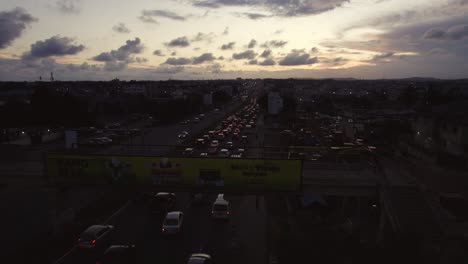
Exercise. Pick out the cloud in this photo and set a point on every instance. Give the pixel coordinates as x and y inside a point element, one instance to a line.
<point>113,66</point>
<point>274,44</point>
<point>297,57</point>
<point>54,46</point>
<point>121,28</point>
<point>158,53</point>
<point>314,50</point>
<point>83,67</point>
<point>438,51</point>
<point>253,16</point>
<point>178,61</point>
<point>277,7</point>
<point>266,53</point>
<point>279,31</point>
<point>123,53</point>
<point>383,56</point>
<point>252,44</point>
<point>215,68</point>
<point>141,59</point>
<point>220,58</point>
<point>150,15</point>
<point>456,32</point>
<point>226,31</point>
<point>228,46</point>
<point>203,37</point>
<point>248,54</point>
<point>173,53</point>
<point>203,58</point>
<point>267,62</point>
<point>179,42</point>
<point>69,6</point>
<point>169,70</point>
<point>12,25</point>
<point>252,62</point>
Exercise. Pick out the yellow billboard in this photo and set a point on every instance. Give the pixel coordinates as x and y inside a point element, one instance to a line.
<point>220,172</point>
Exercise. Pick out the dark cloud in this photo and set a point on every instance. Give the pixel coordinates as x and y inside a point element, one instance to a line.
<point>254,16</point>
<point>179,42</point>
<point>121,28</point>
<point>297,57</point>
<point>314,50</point>
<point>266,53</point>
<point>158,53</point>
<point>456,32</point>
<point>113,66</point>
<point>279,31</point>
<point>215,68</point>
<point>274,44</point>
<point>83,67</point>
<point>69,6</point>
<point>12,24</point>
<point>248,54</point>
<point>277,7</point>
<point>203,37</point>
<point>54,46</point>
<point>141,59</point>
<point>253,62</point>
<point>228,46</point>
<point>148,19</point>
<point>438,51</point>
<point>173,53</point>
<point>226,31</point>
<point>252,44</point>
<point>150,15</point>
<point>203,58</point>
<point>124,53</point>
<point>267,62</point>
<point>220,58</point>
<point>178,61</point>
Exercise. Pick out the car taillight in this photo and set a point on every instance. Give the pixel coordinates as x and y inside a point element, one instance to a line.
<point>93,241</point>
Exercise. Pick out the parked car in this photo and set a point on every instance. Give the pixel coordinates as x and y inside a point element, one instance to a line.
<point>118,254</point>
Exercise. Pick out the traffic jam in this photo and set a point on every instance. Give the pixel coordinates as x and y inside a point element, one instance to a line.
<point>229,139</point>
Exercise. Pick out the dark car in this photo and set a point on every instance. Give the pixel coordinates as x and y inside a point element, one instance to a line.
<point>118,254</point>
<point>199,258</point>
<point>163,202</point>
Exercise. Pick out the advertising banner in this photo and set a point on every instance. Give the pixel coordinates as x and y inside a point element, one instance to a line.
<point>220,172</point>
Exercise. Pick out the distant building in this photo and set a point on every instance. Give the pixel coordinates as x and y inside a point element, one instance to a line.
<point>275,103</point>
<point>133,89</point>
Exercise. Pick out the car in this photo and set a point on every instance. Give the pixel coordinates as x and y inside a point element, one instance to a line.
<point>172,223</point>
<point>188,152</point>
<point>196,120</point>
<point>220,136</point>
<point>204,154</point>
<point>220,208</point>
<point>214,143</point>
<point>183,135</point>
<point>235,135</point>
<point>163,202</point>
<point>199,258</point>
<point>224,153</point>
<point>118,254</point>
<point>244,139</point>
<point>201,116</point>
<point>200,142</point>
<point>206,138</point>
<point>229,144</point>
<point>95,236</point>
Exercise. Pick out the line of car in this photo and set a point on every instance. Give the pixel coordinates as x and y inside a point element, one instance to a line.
<point>99,237</point>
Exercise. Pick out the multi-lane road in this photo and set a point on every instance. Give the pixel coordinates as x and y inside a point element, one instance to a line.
<point>241,239</point>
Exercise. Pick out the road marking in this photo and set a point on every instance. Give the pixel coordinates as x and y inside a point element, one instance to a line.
<point>121,209</point>
<point>66,254</point>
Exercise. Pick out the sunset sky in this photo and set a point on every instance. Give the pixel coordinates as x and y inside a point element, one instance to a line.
<point>217,39</point>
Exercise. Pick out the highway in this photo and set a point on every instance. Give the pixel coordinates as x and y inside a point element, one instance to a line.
<point>243,238</point>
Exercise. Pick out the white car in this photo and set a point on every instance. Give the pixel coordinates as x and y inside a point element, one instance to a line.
<point>188,152</point>
<point>173,223</point>
<point>95,236</point>
<point>220,208</point>
<point>224,153</point>
<point>214,143</point>
<point>200,258</point>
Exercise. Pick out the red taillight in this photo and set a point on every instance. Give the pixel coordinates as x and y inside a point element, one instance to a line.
<point>93,241</point>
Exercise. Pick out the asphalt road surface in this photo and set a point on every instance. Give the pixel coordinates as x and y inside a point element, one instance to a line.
<point>241,239</point>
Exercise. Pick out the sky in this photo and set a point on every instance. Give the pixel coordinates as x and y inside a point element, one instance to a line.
<point>223,39</point>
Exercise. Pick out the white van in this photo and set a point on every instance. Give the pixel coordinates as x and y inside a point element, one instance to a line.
<point>220,208</point>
